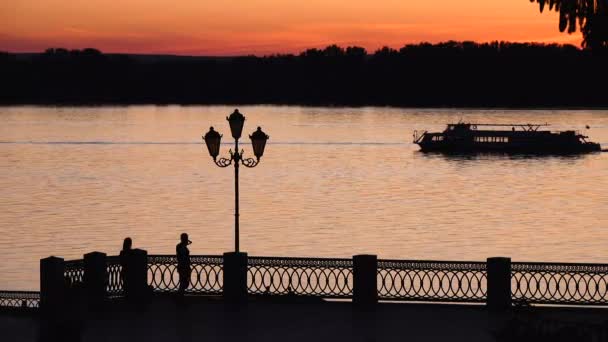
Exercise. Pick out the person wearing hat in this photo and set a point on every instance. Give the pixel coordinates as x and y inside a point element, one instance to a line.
<point>183,263</point>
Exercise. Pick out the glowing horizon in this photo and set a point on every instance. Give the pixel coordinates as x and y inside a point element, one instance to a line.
<point>263,27</point>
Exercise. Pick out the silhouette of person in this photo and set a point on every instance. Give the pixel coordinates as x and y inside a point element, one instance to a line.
<point>183,263</point>
<point>126,248</point>
<point>124,253</point>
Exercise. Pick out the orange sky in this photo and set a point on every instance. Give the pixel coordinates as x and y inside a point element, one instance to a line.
<point>236,27</point>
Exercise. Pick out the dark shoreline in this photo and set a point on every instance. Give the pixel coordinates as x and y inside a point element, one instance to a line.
<point>446,75</point>
<point>306,105</point>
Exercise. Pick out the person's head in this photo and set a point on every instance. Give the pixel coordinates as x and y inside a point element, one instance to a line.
<point>184,238</point>
<point>127,243</point>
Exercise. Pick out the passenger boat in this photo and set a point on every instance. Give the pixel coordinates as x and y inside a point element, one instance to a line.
<point>517,138</point>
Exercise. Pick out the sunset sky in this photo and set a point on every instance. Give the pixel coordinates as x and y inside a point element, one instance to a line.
<point>261,27</point>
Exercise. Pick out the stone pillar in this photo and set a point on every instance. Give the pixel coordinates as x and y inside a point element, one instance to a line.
<point>95,277</point>
<point>235,277</point>
<point>499,283</point>
<point>52,284</point>
<point>135,275</point>
<point>365,288</point>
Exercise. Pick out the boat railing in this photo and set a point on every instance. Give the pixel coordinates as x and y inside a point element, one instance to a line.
<point>521,127</point>
<point>418,138</point>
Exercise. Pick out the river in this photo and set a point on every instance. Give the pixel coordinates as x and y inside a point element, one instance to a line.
<point>333,182</point>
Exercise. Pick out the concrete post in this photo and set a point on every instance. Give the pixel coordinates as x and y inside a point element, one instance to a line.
<point>136,274</point>
<point>95,277</point>
<point>235,277</point>
<point>499,283</point>
<point>365,288</point>
<point>52,284</point>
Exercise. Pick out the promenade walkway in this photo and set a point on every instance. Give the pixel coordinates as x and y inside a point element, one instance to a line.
<point>210,319</point>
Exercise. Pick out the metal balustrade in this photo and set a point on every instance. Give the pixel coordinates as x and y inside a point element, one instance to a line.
<point>559,283</point>
<point>74,272</point>
<point>327,278</point>
<point>206,277</point>
<point>396,280</point>
<point>444,281</point>
<point>20,299</point>
<point>114,286</point>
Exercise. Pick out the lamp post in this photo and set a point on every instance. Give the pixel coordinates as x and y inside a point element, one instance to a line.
<point>258,142</point>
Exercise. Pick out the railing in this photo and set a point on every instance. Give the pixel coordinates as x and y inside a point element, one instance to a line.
<point>19,299</point>
<point>327,278</point>
<point>74,272</point>
<point>444,281</point>
<point>114,286</point>
<point>395,280</point>
<point>206,277</point>
<point>417,137</point>
<point>553,283</point>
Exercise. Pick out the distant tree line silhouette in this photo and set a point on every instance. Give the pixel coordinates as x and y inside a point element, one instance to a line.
<point>590,15</point>
<point>464,74</point>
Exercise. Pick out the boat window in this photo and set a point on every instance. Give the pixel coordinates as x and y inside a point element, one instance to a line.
<point>438,138</point>
<point>491,139</point>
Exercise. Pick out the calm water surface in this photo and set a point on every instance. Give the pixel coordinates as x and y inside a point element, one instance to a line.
<point>334,182</point>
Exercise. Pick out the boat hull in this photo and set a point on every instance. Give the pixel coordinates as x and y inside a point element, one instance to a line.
<point>467,147</point>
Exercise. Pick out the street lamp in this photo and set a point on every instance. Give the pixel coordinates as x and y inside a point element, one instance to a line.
<point>258,142</point>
